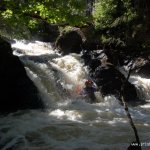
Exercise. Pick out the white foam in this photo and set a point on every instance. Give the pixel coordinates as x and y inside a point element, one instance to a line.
<point>31,48</point>
<point>143,86</point>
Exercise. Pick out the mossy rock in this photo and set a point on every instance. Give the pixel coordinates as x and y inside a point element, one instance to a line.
<point>69,42</point>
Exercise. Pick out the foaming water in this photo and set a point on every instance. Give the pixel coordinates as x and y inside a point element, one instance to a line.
<point>73,124</point>
<point>31,48</point>
<point>69,122</point>
<point>143,86</point>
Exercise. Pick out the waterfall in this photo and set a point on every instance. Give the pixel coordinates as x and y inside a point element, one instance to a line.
<point>69,122</point>
<point>143,87</point>
<point>57,77</point>
<point>142,84</point>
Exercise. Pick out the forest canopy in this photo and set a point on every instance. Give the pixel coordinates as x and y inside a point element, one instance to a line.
<point>19,16</point>
<point>117,21</point>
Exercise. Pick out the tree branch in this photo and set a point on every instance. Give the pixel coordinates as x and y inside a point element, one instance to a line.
<point>127,110</point>
<point>37,16</point>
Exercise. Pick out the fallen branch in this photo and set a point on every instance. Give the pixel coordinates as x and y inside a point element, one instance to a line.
<point>127,110</point>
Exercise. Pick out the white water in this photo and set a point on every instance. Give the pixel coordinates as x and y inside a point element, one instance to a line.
<point>69,123</point>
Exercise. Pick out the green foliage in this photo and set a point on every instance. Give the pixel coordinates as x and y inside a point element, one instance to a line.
<point>110,13</point>
<point>65,30</point>
<point>7,14</point>
<point>115,19</point>
<point>102,15</point>
<point>17,17</point>
<point>107,40</point>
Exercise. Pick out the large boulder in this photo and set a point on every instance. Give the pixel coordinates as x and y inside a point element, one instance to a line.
<point>17,90</point>
<point>45,32</point>
<point>144,71</point>
<point>91,38</point>
<point>140,66</point>
<point>110,82</point>
<point>69,42</point>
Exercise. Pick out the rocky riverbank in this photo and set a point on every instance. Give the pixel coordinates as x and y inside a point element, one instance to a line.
<point>17,90</point>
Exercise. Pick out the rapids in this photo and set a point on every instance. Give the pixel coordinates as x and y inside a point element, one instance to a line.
<point>69,122</point>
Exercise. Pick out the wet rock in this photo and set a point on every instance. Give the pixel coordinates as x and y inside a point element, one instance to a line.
<point>129,92</point>
<point>86,56</point>
<point>69,42</point>
<point>94,63</point>
<point>17,90</point>
<point>91,38</point>
<point>45,32</point>
<point>140,67</point>
<point>91,59</point>
<point>106,76</point>
<point>110,81</point>
<point>144,71</point>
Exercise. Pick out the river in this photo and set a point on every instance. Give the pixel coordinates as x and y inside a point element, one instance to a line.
<point>69,122</point>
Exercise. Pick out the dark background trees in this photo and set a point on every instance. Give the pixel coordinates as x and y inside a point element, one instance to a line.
<point>117,24</point>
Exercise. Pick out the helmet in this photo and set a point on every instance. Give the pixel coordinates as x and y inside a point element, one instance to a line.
<point>89,82</point>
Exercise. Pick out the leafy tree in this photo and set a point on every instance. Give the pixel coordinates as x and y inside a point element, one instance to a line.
<point>114,18</point>
<point>18,16</point>
<point>110,13</point>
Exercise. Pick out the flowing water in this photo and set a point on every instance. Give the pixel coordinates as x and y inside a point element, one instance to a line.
<point>69,122</point>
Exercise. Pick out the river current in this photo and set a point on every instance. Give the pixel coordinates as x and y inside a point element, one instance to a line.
<point>69,122</point>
